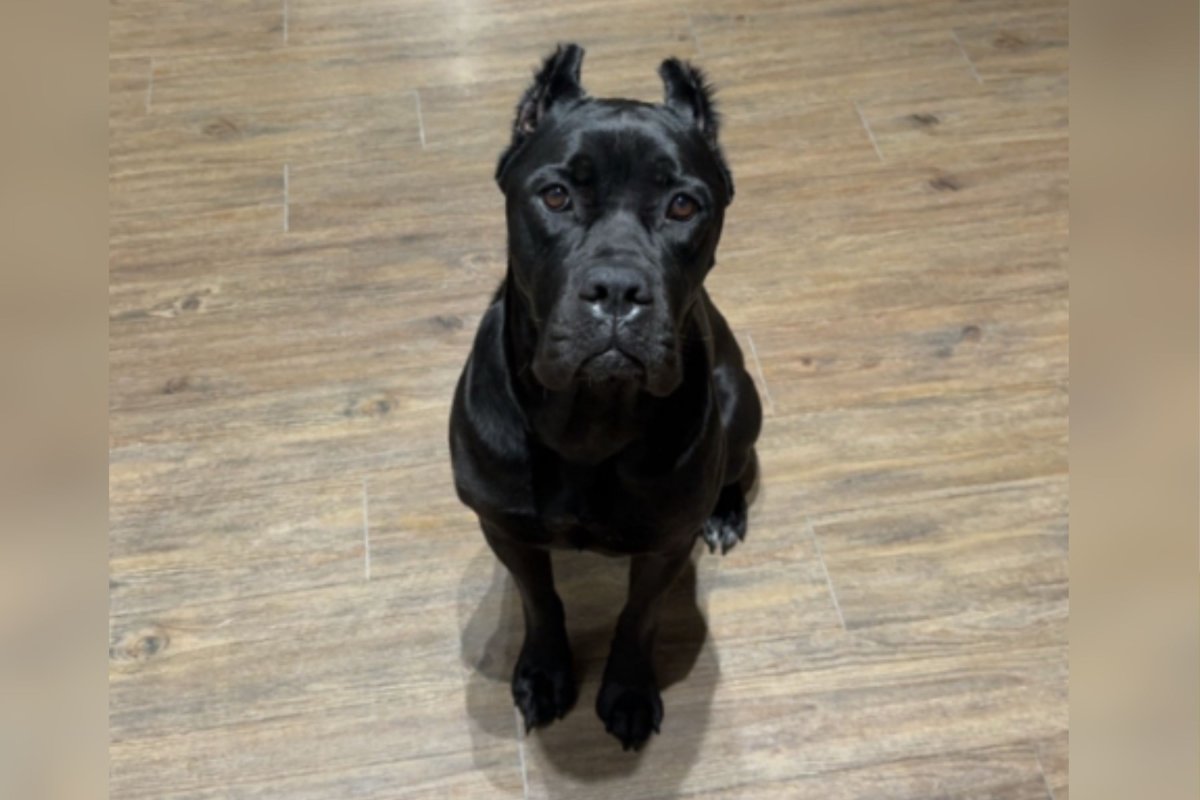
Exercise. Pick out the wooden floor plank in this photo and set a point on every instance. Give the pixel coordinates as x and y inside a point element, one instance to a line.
<point>1053,756</point>
<point>305,233</point>
<point>1013,583</point>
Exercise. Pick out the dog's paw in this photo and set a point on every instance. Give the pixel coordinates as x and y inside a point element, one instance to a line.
<point>630,712</point>
<point>724,533</point>
<point>727,525</point>
<point>543,685</point>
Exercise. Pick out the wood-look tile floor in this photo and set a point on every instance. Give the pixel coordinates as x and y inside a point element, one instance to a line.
<point>304,234</point>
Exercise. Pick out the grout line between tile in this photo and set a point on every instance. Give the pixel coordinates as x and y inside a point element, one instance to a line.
<point>761,377</point>
<point>521,753</point>
<point>828,580</point>
<point>967,58</point>
<point>1037,754</point>
<point>286,200</point>
<point>366,512</point>
<point>420,118</point>
<point>695,38</point>
<point>150,86</point>
<point>867,127</point>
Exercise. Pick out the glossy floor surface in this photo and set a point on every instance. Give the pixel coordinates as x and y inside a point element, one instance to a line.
<point>304,235</point>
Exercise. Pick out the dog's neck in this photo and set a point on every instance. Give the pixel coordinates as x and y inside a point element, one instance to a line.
<point>590,423</point>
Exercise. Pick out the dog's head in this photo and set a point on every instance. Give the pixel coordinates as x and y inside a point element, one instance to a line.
<point>614,212</point>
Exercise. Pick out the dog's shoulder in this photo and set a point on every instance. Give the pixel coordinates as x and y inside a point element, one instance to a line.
<point>485,400</point>
<point>489,446</point>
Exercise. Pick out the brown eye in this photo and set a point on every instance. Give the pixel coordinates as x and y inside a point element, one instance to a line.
<point>556,198</point>
<point>682,208</point>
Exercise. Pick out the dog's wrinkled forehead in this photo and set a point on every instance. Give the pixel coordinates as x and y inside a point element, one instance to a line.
<point>556,121</point>
<point>620,141</point>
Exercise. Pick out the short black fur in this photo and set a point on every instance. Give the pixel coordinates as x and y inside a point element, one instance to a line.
<point>605,404</point>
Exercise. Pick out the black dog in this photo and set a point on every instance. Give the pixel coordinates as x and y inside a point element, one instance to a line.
<point>605,404</point>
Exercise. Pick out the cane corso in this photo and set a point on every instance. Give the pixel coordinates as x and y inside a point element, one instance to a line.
<point>605,405</point>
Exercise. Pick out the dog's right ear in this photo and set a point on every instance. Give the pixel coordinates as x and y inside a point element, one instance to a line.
<point>555,83</point>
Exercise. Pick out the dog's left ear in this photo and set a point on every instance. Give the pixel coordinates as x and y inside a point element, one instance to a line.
<point>556,83</point>
<point>687,92</point>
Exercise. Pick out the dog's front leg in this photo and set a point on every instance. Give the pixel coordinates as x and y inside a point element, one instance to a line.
<point>543,683</point>
<point>629,702</point>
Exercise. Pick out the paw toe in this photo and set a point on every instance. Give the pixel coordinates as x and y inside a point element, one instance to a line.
<point>724,532</point>
<point>542,693</point>
<point>632,715</point>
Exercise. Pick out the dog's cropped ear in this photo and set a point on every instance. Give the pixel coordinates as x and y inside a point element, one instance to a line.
<point>557,82</point>
<point>686,91</point>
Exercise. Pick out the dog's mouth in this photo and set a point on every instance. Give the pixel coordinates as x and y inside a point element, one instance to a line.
<point>566,358</point>
<point>610,365</point>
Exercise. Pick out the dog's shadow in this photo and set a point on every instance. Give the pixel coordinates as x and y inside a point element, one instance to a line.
<point>576,749</point>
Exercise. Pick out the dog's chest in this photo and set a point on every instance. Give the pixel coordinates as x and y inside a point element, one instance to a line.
<point>587,509</point>
<point>601,509</point>
<point>570,531</point>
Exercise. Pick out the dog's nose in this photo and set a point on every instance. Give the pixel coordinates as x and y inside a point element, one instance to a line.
<point>615,291</point>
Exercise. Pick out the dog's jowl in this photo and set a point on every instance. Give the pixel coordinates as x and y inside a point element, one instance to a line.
<point>605,405</point>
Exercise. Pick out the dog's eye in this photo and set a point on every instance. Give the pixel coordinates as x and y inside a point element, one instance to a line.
<point>556,198</point>
<point>682,208</point>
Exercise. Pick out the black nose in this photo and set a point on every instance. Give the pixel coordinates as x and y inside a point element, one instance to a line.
<point>615,291</point>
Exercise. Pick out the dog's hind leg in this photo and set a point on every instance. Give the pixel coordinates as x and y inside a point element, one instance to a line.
<point>728,523</point>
